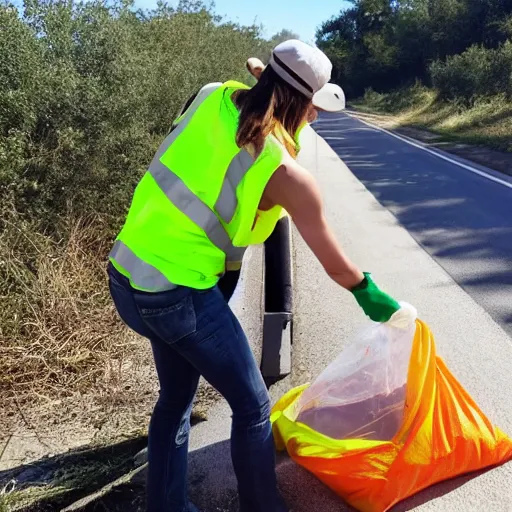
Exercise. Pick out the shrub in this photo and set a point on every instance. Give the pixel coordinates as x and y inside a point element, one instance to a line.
<point>372,98</point>
<point>87,92</point>
<point>59,333</point>
<point>475,73</point>
<point>400,100</point>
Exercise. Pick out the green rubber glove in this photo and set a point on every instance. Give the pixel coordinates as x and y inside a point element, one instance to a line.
<point>376,304</point>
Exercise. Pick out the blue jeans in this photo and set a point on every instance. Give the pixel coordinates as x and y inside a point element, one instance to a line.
<point>193,333</point>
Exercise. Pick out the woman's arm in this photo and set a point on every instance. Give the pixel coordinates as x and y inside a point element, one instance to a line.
<point>295,189</point>
<point>297,192</point>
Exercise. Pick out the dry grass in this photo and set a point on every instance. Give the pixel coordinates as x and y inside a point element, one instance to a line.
<point>71,374</point>
<point>487,122</point>
<point>59,333</point>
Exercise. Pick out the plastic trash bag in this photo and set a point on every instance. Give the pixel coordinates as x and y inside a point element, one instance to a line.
<point>361,395</point>
<point>387,419</point>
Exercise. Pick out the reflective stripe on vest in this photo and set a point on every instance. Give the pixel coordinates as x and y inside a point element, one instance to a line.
<point>143,275</point>
<point>146,276</point>
<point>227,201</point>
<point>190,205</point>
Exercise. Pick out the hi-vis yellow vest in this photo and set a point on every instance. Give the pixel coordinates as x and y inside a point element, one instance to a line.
<point>196,209</point>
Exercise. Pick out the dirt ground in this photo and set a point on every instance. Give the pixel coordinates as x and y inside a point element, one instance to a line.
<point>52,453</point>
<point>45,428</point>
<point>56,452</point>
<point>497,160</point>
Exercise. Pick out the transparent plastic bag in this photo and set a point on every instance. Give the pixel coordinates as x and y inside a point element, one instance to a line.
<point>361,395</point>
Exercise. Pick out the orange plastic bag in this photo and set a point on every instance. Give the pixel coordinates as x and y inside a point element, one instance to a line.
<point>443,434</point>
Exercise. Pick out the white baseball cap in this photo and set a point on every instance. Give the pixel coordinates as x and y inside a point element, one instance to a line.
<point>307,69</point>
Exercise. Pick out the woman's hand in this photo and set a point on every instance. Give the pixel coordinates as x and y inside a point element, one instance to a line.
<point>376,304</point>
<point>255,67</point>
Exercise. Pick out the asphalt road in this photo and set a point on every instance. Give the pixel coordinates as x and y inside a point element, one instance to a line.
<point>475,347</point>
<point>463,220</point>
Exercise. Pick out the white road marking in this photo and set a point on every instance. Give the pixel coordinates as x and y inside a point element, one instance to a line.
<point>436,153</point>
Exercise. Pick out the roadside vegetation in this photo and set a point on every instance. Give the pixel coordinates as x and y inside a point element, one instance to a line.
<point>486,122</point>
<point>87,92</point>
<point>443,65</point>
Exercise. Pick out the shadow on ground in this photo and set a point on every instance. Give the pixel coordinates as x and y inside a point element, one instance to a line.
<point>213,487</point>
<point>52,483</point>
<point>318,497</point>
<point>211,480</point>
<point>463,220</point>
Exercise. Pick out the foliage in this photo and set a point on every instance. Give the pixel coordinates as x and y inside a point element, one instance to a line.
<point>387,44</point>
<point>399,100</point>
<point>280,37</point>
<point>88,90</point>
<point>475,73</point>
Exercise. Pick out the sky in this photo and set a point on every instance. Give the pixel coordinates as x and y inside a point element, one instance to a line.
<point>299,16</point>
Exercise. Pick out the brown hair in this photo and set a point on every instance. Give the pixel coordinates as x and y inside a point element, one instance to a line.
<point>271,106</point>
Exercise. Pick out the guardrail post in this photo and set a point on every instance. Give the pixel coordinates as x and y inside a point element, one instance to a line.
<point>278,316</point>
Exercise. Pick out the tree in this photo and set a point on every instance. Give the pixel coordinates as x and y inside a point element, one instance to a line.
<point>283,35</point>
<point>388,43</point>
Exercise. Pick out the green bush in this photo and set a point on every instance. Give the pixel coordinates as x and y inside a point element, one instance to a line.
<point>398,100</point>
<point>372,98</point>
<point>385,44</point>
<point>475,73</point>
<point>88,90</point>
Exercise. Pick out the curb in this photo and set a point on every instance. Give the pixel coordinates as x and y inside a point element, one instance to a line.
<point>278,316</point>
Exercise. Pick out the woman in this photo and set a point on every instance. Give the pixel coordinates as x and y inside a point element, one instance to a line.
<point>217,184</point>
